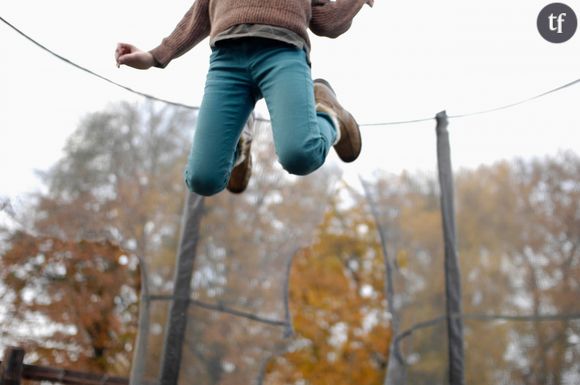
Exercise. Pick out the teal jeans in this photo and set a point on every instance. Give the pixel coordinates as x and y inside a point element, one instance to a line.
<point>241,72</point>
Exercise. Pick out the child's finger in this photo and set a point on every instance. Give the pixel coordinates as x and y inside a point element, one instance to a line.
<point>124,48</point>
<point>130,59</point>
<point>118,51</point>
<point>121,60</point>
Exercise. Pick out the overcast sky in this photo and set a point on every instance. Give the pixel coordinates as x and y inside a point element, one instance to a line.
<point>400,60</point>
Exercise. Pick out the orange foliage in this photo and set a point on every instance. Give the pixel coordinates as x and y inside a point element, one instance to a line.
<point>74,296</point>
<point>338,303</point>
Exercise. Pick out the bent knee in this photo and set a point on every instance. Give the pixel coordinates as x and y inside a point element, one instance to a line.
<point>300,162</point>
<point>205,184</point>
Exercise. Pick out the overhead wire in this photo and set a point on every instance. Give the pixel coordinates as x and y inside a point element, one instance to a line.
<point>506,106</point>
<point>388,123</point>
<point>78,66</point>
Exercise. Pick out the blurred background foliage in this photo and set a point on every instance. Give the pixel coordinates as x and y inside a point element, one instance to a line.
<point>70,274</point>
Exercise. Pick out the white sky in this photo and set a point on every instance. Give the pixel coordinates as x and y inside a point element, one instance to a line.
<point>400,60</point>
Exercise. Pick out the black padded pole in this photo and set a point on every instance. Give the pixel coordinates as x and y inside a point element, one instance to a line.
<point>177,324</point>
<point>452,274</point>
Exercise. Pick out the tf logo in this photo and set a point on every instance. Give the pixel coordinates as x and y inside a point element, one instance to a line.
<point>557,23</point>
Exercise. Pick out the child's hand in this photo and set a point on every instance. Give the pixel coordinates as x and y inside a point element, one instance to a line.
<point>133,57</point>
<point>370,2</point>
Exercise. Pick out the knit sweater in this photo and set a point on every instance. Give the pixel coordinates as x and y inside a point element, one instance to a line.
<point>211,17</point>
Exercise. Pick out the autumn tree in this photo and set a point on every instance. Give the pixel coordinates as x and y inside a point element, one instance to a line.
<point>546,256</point>
<point>519,243</point>
<point>409,214</point>
<point>517,227</point>
<point>119,182</point>
<point>338,304</point>
<point>120,178</point>
<point>74,296</point>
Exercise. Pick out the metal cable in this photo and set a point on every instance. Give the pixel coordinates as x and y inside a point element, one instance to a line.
<point>223,309</point>
<point>482,317</point>
<point>391,123</point>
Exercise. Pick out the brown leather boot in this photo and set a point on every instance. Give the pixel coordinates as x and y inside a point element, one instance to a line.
<point>240,176</point>
<point>349,144</point>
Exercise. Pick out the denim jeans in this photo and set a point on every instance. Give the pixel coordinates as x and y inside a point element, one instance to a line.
<point>241,72</point>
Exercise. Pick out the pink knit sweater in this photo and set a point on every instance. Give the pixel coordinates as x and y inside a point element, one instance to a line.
<point>211,17</point>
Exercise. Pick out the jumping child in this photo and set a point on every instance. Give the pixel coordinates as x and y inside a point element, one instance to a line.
<point>260,48</point>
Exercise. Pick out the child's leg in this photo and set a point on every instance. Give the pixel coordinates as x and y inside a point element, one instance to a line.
<point>302,136</point>
<point>228,100</point>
